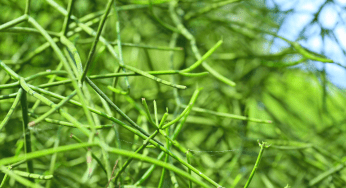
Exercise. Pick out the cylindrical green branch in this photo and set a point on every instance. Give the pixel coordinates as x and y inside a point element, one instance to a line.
<point>27,137</point>
<point>263,146</point>
<point>33,176</point>
<point>13,107</point>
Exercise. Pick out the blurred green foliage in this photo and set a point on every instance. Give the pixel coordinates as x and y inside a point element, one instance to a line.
<point>307,112</point>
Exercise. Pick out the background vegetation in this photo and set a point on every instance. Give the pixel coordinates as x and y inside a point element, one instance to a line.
<point>241,93</point>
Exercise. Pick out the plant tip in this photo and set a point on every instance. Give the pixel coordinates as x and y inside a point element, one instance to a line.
<point>31,124</point>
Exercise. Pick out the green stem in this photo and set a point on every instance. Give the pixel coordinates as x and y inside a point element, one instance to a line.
<point>68,124</point>
<point>140,149</point>
<point>92,77</point>
<point>93,47</point>
<point>88,18</point>
<point>51,111</point>
<point>151,121</point>
<point>155,114</point>
<point>27,137</point>
<point>140,133</point>
<point>163,48</point>
<point>37,103</point>
<point>135,131</point>
<point>152,167</point>
<point>70,73</point>
<point>236,180</point>
<point>9,96</point>
<point>14,22</point>
<point>159,80</point>
<point>3,182</point>
<point>149,171</point>
<point>13,107</point>
<point>92,154</point>
<point>67,18</point>
<point>37,154</point>
<point>174,179</point>
<point>53,105</point>
<point>76,58</point>
<point>163,173</point>
<point>131,7</point>
<point>118,91</point>
<point>172,43</point>
<point>191,103</point>
<point>182,114</point>
<point>204,57</point>
<point>53,159</point>
<point>115,82</point>
<point>121,60</point>
<point>194,48</point>
<point>18,178</point>
<point>69,34</point>
<point>111,50</point>
<point>32,176</point>
<point>189,161</point>
<point>325,174</point>
<point>158,19</point>
<point>112,150</point>
<point>227,115</point>
<point>263,146</point>
<point>115,107</point>
<point>207,9</point>
<point>32,77</point>
<point>28,30</point>
<point>27,7</point>
<point>156,162</point>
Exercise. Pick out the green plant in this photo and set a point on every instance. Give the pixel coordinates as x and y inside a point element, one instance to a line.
<point>207,110</point>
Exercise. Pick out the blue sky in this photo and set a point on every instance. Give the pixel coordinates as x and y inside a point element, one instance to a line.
<point>332,16</point>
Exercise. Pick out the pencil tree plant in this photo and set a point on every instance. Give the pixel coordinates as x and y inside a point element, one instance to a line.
<point>161,93</point>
